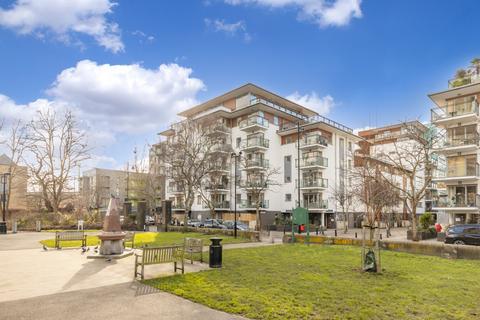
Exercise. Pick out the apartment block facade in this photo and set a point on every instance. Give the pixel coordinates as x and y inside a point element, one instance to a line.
<point>270,132</point>
<point>456,114</point>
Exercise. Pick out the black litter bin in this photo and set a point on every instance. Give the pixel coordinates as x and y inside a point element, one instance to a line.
<point>3,228</point>
<point>215,253</point>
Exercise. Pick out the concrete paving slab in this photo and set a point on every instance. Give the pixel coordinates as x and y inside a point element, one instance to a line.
<point>130,300</point>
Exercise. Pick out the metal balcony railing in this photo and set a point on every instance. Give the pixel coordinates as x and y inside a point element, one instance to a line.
<point>256,142</point>
<point>458,171</point>
<point>254,184</point>
<point>312,140</point>
<point>218,205</point>
<point>452,111</point>
<point>457,202</point>
<point>468,79</point>
<point>216,186</point>
<point>175,189</point>
<point>314,183</point>
<point>465,141</point>
<point>179,205</point>
<point>313,161</point>
<point>220,147</point>
<point>262,163</point>
<point>254,121</point>
<point>321,204</point>
<point>246,204</point>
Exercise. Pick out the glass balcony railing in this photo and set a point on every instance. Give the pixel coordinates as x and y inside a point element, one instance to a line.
<point>178,205</point>
<point>457,202</point>
<point>311,162</point>
<point>175,189</point>
<point>320,204</point>
<point>217,186</point>
<point>468,79</point>
<point>254,184</point>
<point>254,121</point>
<point>248,204</point>
<point>221,147</point>
<point>464,141</point>
<point>218,128</point>
<point>315,183</point>
<point>256,143</point>
<point>218,205</point>
<point>313,140</point>
<point>458,171</point>
<point>452,111</point>
<point>262,163</point>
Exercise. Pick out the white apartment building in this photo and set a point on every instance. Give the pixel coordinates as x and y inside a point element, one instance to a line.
<point>263,126</point>
<point>456,113</point>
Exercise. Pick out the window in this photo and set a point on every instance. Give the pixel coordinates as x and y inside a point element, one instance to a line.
<point>239,198</point>
<point>288,197</point>
<point>239,141</point>
<point>275,120</point>
<point>350,146</point>
<point>287,169</point>
<point>349,164</point>
<point>199,200</point>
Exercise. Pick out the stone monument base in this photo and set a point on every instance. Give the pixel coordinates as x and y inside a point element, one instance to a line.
<point>112,243</point>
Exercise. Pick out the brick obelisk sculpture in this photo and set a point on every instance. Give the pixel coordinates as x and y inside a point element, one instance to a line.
<point>112,235</point>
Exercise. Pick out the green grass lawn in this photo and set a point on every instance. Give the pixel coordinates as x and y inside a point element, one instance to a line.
<point>149,238</point>
<point>325,282</point>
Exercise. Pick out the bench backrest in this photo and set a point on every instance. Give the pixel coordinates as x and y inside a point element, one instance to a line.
<point>162,254</point>
<point>193,245</point>
<point>70,235</point>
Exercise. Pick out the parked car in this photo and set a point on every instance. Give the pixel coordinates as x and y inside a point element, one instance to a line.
<point>149,220</point>
<point>463,234</point>
<point>240,225</point>
<point>194,223</point>
<point>213,223</point>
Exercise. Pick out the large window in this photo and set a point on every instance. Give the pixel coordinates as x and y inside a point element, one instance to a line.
<point>462,166</point>
<point>287,170</point>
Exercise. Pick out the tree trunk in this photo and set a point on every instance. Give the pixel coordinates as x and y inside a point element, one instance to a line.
<point>345,222</point>
<point>257,218</point>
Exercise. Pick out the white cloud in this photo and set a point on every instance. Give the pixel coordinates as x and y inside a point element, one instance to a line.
<point>322,105</point>
<point>357,130</point>
<point>230,29</point>
<point>321,12</point>
<point>64,18</point>
<point>143,37</point>
<point>128,98</point>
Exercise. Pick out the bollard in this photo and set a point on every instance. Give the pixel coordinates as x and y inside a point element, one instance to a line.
<point>355,235</point>
<point>14,226</point>
<point>3,228</point>
<point>38,225</point>
<point>316,231</point>
<point>380,236</point>
<point>215,258</point>
<point>335,232</point>
<point>80,225</point>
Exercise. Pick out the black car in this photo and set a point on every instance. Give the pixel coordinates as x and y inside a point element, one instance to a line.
<point>463,234</point>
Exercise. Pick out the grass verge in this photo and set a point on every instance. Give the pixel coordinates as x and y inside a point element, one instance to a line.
<point>325,282</point>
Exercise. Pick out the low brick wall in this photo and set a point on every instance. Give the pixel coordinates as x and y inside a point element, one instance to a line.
<point>427,248</point>
<point>250,235</point>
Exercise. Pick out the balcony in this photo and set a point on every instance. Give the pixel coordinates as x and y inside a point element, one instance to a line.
<point>218,130</point>
<point>254,184</point>
<point>464,144</point>
<point>256,164</point>
<point>253,123</point>
<point>217,187</point>
<point>257,143</point>
<point>220,205</point>
<point>467,79</point>
<point>310,184</point>
<point>312,163</point>
<point>458,173</point>
<point>313,142</point>
<point>178,206</point>
<point>246,204</point>
<point>175,189</point>
<point>221,148</point>
<point>320,204</point>
<point>465,112</point>
<point>457,203</point>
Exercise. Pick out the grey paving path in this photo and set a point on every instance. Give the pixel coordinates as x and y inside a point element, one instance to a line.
<point>123,301</point>
<point>23,240</point>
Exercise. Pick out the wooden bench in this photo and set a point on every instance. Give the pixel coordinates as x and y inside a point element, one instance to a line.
<point>193,245</point>
<point>70,236</point>
<point>130,237</point>
<point>158,255</point>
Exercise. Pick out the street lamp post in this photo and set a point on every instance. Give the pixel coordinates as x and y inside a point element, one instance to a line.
<point>236,157</point>
<point>4,196</point>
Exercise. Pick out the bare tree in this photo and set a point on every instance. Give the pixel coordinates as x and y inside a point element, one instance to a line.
<point>411,158</point>
<point>257,182</point>
<point>15,145</point>
<point>213,185</point>
<point>188,157</point>
<point>57,145</point>
<point>343,196</point>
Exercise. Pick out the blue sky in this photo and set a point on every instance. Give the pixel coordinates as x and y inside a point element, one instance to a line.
<point>367,63</point>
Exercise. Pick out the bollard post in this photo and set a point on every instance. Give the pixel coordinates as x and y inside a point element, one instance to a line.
<point>14,226</point>
<point>355,235</point>
<point>335,232</point>
<point>380,236</point>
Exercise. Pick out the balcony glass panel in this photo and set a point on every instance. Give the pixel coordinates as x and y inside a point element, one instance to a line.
<point>455,109</point>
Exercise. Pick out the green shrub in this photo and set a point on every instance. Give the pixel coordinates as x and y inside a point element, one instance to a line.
<point>426,220</point>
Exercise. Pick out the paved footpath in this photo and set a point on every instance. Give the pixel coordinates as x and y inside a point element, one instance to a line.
<point>38,284</point>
